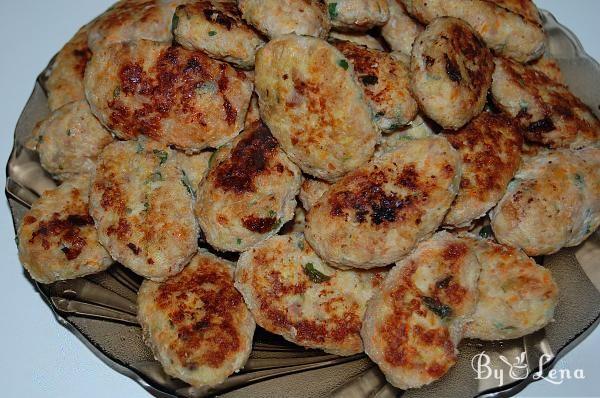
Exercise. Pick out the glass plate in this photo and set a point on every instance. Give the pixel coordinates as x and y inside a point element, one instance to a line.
<point>101,309</point>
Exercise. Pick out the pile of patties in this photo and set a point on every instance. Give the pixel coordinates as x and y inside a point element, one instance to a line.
<point>350,151</point>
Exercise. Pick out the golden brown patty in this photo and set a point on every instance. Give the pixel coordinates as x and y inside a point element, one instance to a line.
<point>196,322</point>
<point>311,100</point>
<point>216,27</point>
<point>547,111</point>
<point>357,15</point>
<point>507,33</point>
<point>376,215</point>
<point>516,296</point>
<point>57,239</point>
<point>524,8</point>
<point>175,96</point>
<point>130,20</point>
<point>451,72</point>
<point>70,140</point>
<point>385,82</point>
<point>142,204</point>
<point>293,293</point>
<point>490,146</point>
<point>275,18</point>
<point>249,193</point>
<point>414,323</point>
<point>553,202</point>
<point>65,81</point>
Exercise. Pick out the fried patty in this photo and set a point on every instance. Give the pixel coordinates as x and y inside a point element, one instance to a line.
<point>386,83</point>
<point>249,193</point>
<point>490,146</point>
<point>57,239</point>
<point>376,215</point>
<point>507,33</point>
<point>414,323</point>
<point>172,95</point>
<point>130,20</point>
<point>293,293</point>
<point>217,28</point>
<point>553,202</point>
<point>548,112</point>
<point>451,72</point>
<point>401,30</point>
<point>196,322</point>
<point>65,81</point>
<point>516,296</point>
<point>142,204</point>
<point>280,17</point>
<point>357,15</point>
<point>70,140</point>
<point>311,100</point>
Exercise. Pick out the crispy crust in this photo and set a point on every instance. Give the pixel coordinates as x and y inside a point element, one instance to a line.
<point>313,104</point>
<point>548,112</point>
<point>378,213</point>
<point>490,146</point>
<point>451,72</point>
<point>57,239</point>
<point>385,82</point>
<point>414,323</point>
<point>217,28</point>
<point>323,313</point>
<point>196,322</point>
<point>172,95</point>
<point>249,192</point>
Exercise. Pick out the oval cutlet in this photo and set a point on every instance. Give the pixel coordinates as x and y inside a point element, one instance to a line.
<point>549,114</point>
<point>451,72</point>
<point>196,322</point>
<point>386,84</point>
<point>249,192</point>
<point>65,81</point>
<point>70,140</point>
<point>172,95</point>
<point>57,239</point>
<point>142,204</point>
<point>516,296</point>
<point>552,202</point>
<point>133,20</point>
<point>216,28</point>
<point>414,323</point>
<point>507,33</point>
<point>357,15</point>
<point>276,18</point>
<point>375,215</point>
<point>490,147</point>
<point>311,100</point>
<point>293,293</point>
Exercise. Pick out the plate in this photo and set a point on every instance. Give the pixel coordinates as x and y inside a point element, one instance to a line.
<point>101,309</point>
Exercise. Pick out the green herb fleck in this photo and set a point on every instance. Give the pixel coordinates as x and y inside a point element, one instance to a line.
<point>524,105</point>
<point>146,206</point>
<point>117,92</point>
<point>272,213</point>
<point>486,232</point>
<point>212,33</point>
<point>301,245</point>
<point>162,156</point>
<point>211,158</point>
<point>140,148</point>
<point>314,274</point>
<point>343,63</point>
<point>441,310</point>
<point>521,81</point>
<point>69,132</point>
<point>332,8</point>
<point>239,241</point>
<point>187,184</point>
<point>579,181</point>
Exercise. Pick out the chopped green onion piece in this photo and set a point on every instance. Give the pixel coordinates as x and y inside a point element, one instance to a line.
<point>187,184</point>
<point>314,274</point>
<point>212,33</point>
<point>332,8</point>
<point>343,63</point>
<point>162,156</point>
<point>441,310</point>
